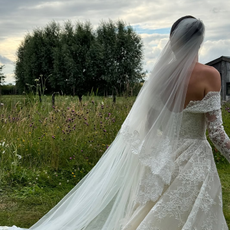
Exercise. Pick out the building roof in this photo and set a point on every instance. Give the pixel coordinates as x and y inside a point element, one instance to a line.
<point>222,58</point>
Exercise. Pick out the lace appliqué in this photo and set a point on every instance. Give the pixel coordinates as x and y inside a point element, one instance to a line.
<point>158,167</point>
<point>217,134</point>
<point>193,197</point>
<point>210,102</point>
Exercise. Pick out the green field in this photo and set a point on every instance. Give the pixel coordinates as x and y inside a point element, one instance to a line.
<point>45,150</point>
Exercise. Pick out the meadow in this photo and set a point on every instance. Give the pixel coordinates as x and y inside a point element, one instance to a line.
<point>45,150</point>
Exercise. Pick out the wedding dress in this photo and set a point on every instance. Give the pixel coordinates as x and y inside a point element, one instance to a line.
<point>159,173</point>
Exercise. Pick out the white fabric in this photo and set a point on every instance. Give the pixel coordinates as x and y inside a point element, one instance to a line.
<point>152,158</point>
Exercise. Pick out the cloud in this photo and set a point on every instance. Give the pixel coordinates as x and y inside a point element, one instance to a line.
<point>214,49</point>
<point>4,60</point>
<point>152,19</point>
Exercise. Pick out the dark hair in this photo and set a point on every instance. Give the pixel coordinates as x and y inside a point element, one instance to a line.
<point>195,30</point>
<point>176,23</point>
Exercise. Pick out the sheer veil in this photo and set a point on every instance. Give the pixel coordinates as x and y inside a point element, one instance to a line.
<point>139,163</point>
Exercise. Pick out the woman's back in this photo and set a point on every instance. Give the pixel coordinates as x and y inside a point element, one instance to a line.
<point>203,80</point>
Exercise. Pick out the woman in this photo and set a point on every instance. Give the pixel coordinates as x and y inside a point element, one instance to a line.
<point>159,172</point>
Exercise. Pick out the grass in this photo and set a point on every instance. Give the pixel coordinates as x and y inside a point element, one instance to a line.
<point>44,144</point>
<point>21,210</point>
<point>45,150</point>
<point>224,173</point>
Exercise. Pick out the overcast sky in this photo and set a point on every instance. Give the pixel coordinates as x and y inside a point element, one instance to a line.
<point>152,19</point>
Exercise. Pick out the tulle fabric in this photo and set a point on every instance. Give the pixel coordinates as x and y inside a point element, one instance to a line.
<point>109,195</point>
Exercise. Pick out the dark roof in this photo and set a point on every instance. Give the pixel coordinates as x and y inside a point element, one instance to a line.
<point>222,58</point>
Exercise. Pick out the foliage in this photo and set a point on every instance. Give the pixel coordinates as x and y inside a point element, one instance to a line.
<point>67,140</point>
<point>121,54</point>
<point>2,77</point>
<point>8,89</point>
<point>45,150</point>
<point>75,59</point>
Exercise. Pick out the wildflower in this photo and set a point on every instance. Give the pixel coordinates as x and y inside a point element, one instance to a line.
<point>60,183</point>
<point>53,137</point>
<point>70,158</point>
<point>72,172</point>
<point>109,114</point>
<point>19,156</point>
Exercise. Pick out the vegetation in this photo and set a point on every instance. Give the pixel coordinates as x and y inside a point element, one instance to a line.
<point>75,59</point>
<point>2,78</point>
<point>46,150</point>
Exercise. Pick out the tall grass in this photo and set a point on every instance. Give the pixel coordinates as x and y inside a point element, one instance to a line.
<point>45,145</point>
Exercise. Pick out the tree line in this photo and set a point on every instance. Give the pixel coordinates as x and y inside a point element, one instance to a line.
<point>77,59</point>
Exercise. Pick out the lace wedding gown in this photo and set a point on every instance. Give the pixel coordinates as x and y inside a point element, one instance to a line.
<point>193,199</point>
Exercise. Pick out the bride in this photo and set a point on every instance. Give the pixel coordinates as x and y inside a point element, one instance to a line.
<point>159,172</point>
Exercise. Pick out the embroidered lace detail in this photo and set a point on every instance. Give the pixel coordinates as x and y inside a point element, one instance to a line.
<point>193,126</point>
<point>210,102</point>
<point>217,134</point>
<point>158,170</point>
<point>193,198</point>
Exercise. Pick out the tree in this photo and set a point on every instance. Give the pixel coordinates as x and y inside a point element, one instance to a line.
<point>2,78</point>
<point>78,46</point>
<point>35,59</point>
<point>122,55</point>
<point>75,59</point>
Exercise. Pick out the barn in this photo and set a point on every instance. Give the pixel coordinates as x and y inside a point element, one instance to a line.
<point>222,64</point>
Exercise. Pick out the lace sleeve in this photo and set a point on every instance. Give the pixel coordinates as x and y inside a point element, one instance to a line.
<point>217,134</point>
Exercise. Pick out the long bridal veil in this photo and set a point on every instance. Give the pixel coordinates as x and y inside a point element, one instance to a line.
<point>139,163</point>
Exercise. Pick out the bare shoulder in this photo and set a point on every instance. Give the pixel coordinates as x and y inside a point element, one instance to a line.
<point>211,78</point>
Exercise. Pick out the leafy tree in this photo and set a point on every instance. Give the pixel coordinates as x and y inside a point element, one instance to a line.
<point>122,55</point>
<point>75,59</point>
<point>2,78</point>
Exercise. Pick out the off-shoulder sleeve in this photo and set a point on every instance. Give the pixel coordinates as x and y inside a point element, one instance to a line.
<point>217,134</point>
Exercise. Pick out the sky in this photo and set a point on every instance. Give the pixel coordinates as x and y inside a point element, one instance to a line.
<point>151,19</point>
